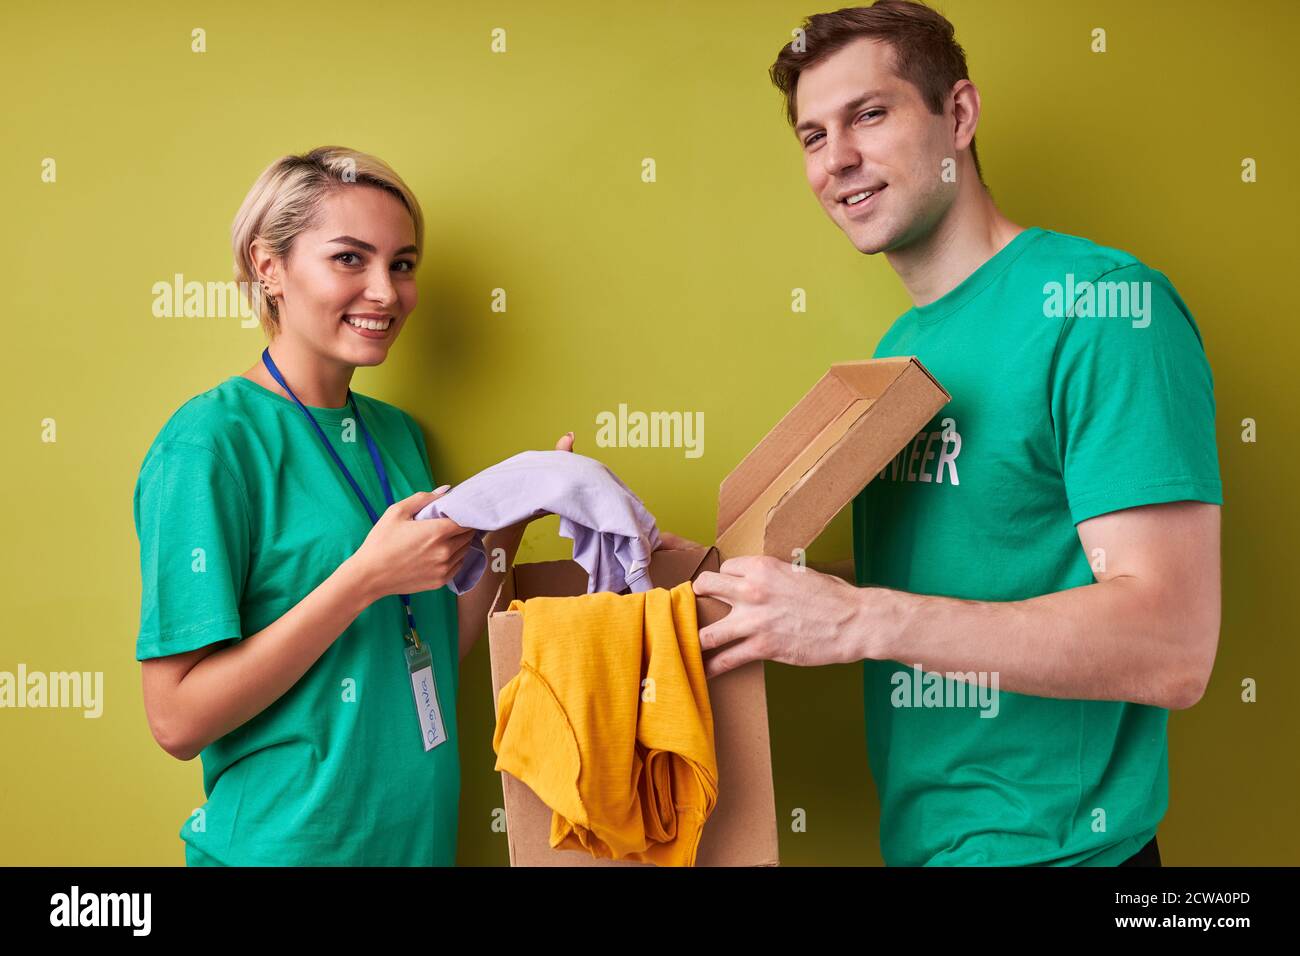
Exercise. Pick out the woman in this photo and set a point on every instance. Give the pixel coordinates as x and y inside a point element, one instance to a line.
<point>308,652</point>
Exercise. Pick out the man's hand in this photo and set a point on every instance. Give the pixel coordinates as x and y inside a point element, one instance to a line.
<point>780,613</point>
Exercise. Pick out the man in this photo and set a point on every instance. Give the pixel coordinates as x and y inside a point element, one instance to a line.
<point>1049,544</point>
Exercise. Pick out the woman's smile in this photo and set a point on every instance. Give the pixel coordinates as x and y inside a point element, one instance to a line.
<point>370,325</point>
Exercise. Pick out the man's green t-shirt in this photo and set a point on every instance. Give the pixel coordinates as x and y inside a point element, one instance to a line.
<point>241,513</point>
<point>1079,386</point>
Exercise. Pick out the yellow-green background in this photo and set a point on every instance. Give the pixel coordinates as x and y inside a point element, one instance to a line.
<point>668,296</point>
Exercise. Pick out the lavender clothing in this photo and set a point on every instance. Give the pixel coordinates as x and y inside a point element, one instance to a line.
<point>613,534</point>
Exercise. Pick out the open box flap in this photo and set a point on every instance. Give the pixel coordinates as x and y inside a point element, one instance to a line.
<point>830,484</point>
<point>809,467</point>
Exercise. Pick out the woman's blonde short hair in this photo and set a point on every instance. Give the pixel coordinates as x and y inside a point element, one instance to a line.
<point>285,200</point>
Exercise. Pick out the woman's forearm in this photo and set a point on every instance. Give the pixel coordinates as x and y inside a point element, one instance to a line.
<point>229,687</point>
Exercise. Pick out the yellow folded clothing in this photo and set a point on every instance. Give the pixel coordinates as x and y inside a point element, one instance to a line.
<point>608,722</point>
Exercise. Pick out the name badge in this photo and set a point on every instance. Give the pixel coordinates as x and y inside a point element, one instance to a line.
<point>419,664</point>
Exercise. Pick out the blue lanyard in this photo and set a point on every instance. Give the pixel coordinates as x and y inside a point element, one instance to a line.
<point>412,637</point>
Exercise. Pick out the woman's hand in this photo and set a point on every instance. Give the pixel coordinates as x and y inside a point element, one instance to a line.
<point>667,540</point>
<point>675,542</point>
<point>405,556</point>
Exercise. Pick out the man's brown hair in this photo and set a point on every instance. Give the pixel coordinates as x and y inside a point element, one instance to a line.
<point>926,51</point>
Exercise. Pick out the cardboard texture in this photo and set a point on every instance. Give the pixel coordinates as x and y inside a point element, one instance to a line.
<point>825,450</point>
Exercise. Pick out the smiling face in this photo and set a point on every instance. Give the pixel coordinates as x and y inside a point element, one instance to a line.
<point>348,283</point>
<point>864,129</point>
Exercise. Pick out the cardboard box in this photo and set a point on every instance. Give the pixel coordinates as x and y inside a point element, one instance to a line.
<point>825,450</point>
<point>741,831</point>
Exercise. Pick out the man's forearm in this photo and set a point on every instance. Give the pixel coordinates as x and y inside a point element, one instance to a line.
<point>1114,640</point>
<point>842,569</point>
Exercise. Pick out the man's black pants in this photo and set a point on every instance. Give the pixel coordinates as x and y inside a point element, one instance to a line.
<point>1149,855</point>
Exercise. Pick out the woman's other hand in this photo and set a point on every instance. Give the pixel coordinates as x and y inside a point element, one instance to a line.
<point>675,542</point>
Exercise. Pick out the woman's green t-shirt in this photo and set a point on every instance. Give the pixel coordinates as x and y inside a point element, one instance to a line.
<point>241,513</point>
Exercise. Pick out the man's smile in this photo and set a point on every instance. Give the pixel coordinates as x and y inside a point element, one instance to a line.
<point>857,201</point>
